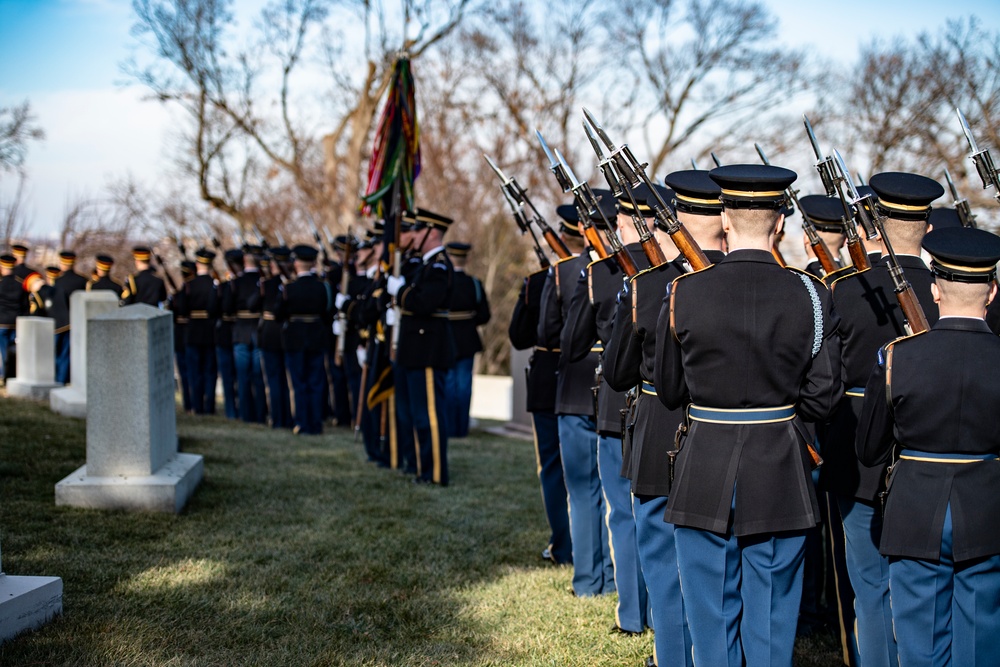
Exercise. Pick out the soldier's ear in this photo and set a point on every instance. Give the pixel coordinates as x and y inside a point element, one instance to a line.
<point>993,293</point>
<point>779,224</point>
<point>725,222</point>
<point>936,292</point>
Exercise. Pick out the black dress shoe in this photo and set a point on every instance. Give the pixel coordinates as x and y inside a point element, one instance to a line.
<point>650,662</point>
<point>547,554</point>
<point>616,630</point>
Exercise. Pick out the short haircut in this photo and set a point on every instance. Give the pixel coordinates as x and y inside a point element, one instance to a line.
<point>905,234</point>
<point>964,295</point>
<point>753,221</point>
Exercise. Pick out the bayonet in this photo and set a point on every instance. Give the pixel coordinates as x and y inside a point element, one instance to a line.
<point>864,206</point>
<point>554,166</point>
<point>824,164</point>
<point>962,207</point>
<point>981,158</point>
<point>715,160</point>
<point>632,173</point>
<point>694,165</point>
<point>503,177</point>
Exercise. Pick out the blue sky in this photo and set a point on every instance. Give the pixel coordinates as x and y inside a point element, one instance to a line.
<point>64,56</point>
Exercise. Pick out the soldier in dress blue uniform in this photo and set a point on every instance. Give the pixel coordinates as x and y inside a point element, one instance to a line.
<point>176,303</point>
<point>628,364</point>
<point>305,313</point>
<point>69,281</point>
<point>426,347</point>
<point>243,303</point>
<point>225,359</point>
<point>13,300</point>
<point>930,406</point>
<point>750,345</point>
<point>272,353</point>
<point>593,573</point>
<point>469,309</point>
<point>871,317</point>
<point>589,322</point>
<point>540,403</point>
<point>102,279</point>
<point>200,306</point>
<point>21,268</point>
<point>143,286</point>
<point>340,382</point>
<point>827,216</point>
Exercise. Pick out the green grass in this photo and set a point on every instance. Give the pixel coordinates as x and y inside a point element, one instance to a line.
<point>294,551</point>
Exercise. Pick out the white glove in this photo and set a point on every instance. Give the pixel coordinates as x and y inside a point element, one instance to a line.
<point>391,318</point>
<point>338,327</point>
<point>394,284</point>
<point>362,356</point>
<point>340,300</point>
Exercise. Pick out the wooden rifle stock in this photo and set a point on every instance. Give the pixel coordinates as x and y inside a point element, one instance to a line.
<point>654,253</point>
<point>689,248</point>
<point>778,257</point>
<point>912,310</point>
<point>556,243</point>
<point>823,255</point>
<point>858,253</point>
<point>595,241</point>
<point>626,262</point>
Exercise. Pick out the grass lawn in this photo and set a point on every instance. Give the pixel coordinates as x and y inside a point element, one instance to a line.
<point>294,551</point>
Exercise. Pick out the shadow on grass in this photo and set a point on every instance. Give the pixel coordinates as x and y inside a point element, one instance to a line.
<point>293,550</point>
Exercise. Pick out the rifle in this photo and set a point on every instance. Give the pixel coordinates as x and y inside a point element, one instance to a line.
<point>345,277</point>
<point>518,212</point>
<point>715,159</point>
<point>916,321</point>
<point>981,158</point>
<point>965,213</point>
<point>833,183</point>
<point>633,173</point>
<point>561,171</point>
<point>319,242</point>
<point>588,200</point>
<point>815,241</point>
<point>652,249</point>
<point>180,247</point>
<point>166,274</point>
<point>520,196</point>
<point>694,165</point>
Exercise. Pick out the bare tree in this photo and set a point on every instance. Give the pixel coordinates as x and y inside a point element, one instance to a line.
<point>232,93</point>
<point>17,130</point>
<point>899,111</point>
<point>699,67</point>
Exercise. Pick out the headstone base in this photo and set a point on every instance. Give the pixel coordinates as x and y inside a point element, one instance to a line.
<point>68,402</point>
<point>166,490</point>
<point>27,603</point>
<point>36,391</point>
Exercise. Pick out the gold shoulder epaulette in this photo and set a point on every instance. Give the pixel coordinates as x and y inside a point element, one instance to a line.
<point>849,275</point>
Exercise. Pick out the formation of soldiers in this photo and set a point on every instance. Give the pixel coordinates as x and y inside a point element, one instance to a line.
<point>704,414</point>
<point>296,340</point>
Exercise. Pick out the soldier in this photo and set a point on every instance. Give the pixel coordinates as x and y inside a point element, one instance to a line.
<point>20,254</point>
<point>144,286</point>
<point>340,390</point>
<point>102,279</point>
<point>827,215</point>
<point>346,325</point>
<point>469,309</point>
<point>378,420</point>
<point>305,311</point>
<point>426,347</point>
<point>243,303</point>
<point>593,573</point>
<point>272,352</point>
<point>69,281</point>
<point>930,409</point>
<point>588,326</point>
<point>628,363</point>
<point>751,345</point>
<point>541,402</point>
<point>201,308</point>
<point>51,273</point>
<point>176,303</point>
<point>870,318</point>
<point>12,303</point>
<point>225,361</point>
